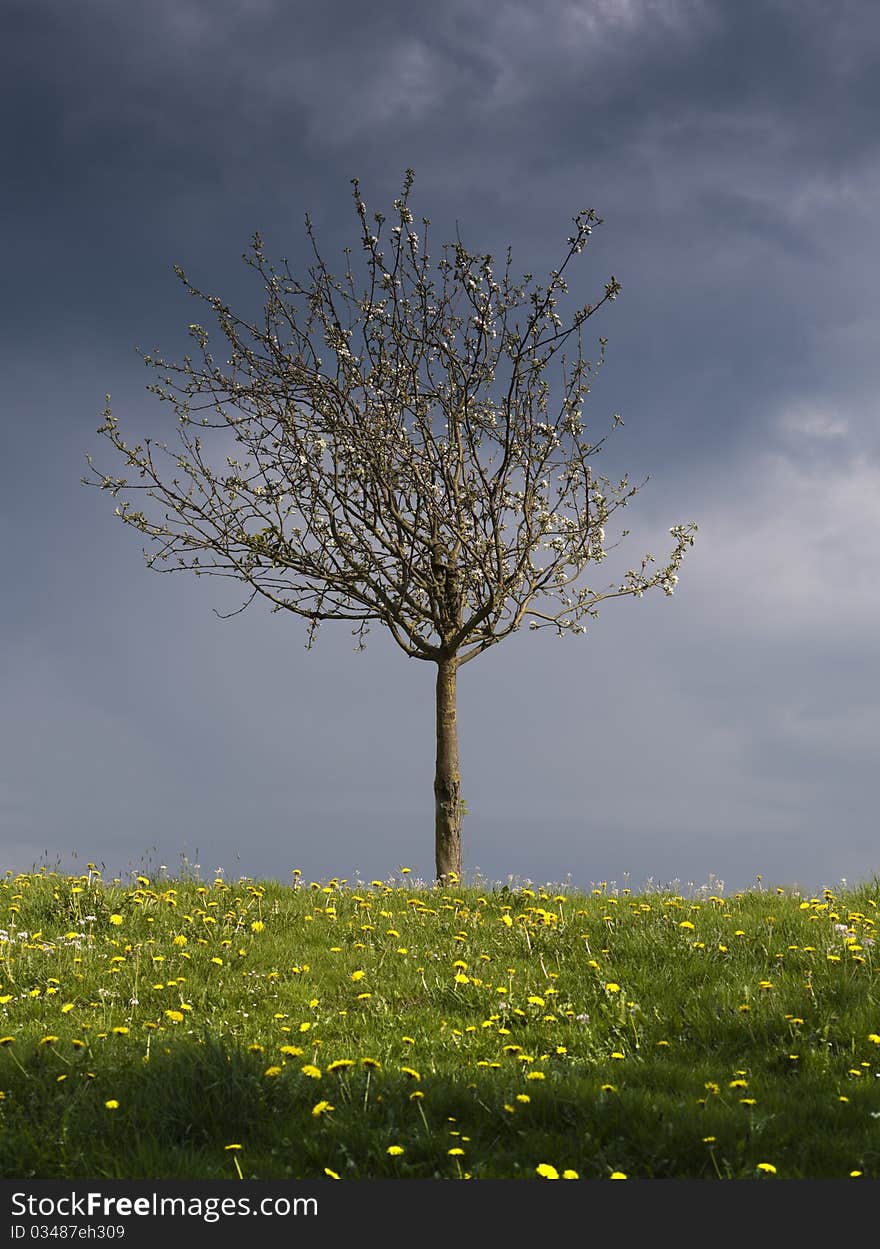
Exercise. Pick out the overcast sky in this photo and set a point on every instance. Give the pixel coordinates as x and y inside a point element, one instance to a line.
<point>731,149</point>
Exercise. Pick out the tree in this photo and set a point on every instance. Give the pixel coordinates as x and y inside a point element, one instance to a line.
<point>417,475</point>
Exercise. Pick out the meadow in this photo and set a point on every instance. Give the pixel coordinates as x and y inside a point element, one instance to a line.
<point>174,1028</point>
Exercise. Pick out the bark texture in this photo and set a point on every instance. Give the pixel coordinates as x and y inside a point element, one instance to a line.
<point>447,779</point>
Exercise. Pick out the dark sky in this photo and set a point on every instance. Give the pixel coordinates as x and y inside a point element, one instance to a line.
<point>731,150</point>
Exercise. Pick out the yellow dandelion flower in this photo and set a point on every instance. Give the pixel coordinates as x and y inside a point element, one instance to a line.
<point>371,1064</point>
<point>411,1072</point>
<point>272,1071</point>
<point>395,1150</point>
<point>546,1171</point>
<point>618,1175</point>
<point>358,975</point>
<point>67,1008</point>
<point>536,1075</point>
<point>257,926</point>
<point>570,1175</point>
<point>455,1152</point>
<point>313,1072</point>
<point>175,1016</point>
<point>112,1104</point>
<point>330,1174</point>
<point>523,1097</point>
<point>322,1108</point>
<point>767,1167</point>
<point>116,920</point>
<point>293,1050</point>
<point>232,1146</point>
<point>611,987</point>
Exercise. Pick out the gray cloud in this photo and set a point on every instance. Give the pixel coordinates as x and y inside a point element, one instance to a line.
<point>731,150</point>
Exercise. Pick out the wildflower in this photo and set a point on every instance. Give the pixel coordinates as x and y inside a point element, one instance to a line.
<point>48,1040</point>
<point>314,1073</point>
<point>371,1064</point>
<point>322,1108</point>
<point>609,1088</point>
<point>455,1153</point>
<point>257,926</point>
<point>570,1175</point>
<point>612,988</point>
<point>330,1174</point>
<point>523,1097</point>
<point>339,1064</point>
<point>116,920</point>
<point>175,1016</point>
<point>232,1146</point>
<point>768,1167</point>
<point>395,1150</point>
<point>617,1175</point>
<point>536,1075</point>
<point>873,1036</point>
<point>120,1030</point>
<point>67,1008</point>
<point>272,1071</point>
<point>547,1172</point>
<point>411,1072</point>
<point>112,1104</point>
<point>358,975</point>
<point>293,1051</point>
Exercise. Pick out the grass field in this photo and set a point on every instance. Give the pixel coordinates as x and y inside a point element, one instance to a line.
<point>180,1029</point>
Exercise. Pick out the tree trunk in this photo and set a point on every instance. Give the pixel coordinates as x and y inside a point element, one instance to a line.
<point>447,780</point>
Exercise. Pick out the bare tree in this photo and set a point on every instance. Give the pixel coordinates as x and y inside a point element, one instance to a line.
<point>418,474</point>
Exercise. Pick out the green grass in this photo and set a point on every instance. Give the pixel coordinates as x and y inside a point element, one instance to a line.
<point>484,1034</point>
